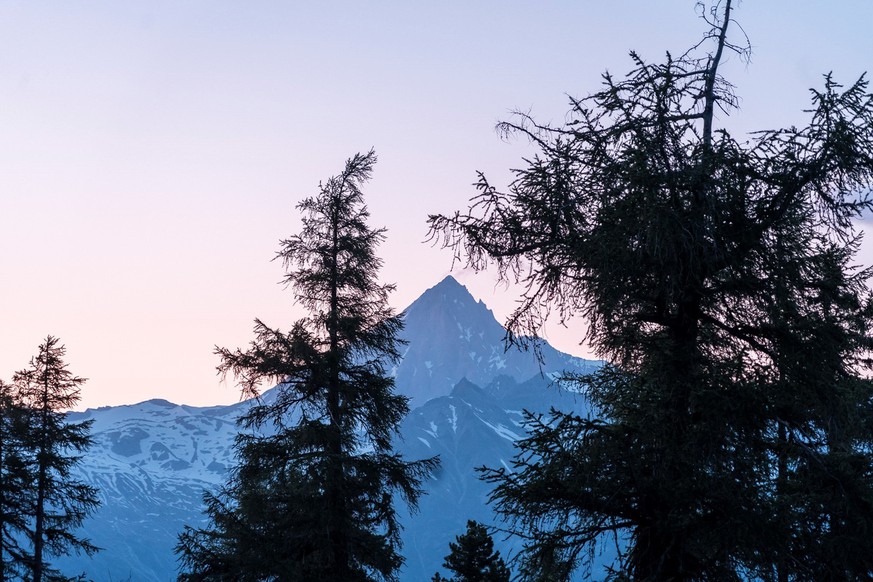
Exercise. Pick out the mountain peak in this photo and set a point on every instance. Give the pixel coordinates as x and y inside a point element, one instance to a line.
<point>452,336</point>
<point>152,460</point>
<point>451,297</point>
<point>449,282</point>
<point>449,287</point>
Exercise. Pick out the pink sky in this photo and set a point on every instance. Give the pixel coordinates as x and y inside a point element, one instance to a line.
<point>153,152</point>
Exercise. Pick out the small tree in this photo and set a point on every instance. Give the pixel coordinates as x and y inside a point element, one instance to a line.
<point>313,495</point>
<point>15,482</point>
<point>59,503</point>
<point>473,559</point>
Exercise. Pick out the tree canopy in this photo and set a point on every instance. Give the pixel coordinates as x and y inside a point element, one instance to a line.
<point>42,448</point>
<point>472,558</point>
<point>313,495</point>
<point>15,480</point>
<point>731,435</point>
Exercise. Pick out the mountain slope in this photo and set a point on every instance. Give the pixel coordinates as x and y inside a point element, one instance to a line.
<point>470,428</point>
<point>152,461</point>
<point>451,336</point>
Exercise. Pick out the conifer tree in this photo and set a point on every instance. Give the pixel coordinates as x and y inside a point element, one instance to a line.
<point>313,495</point>
<point>15,480</point>
<point>731,434</point>
<point>472,558</point>
<point>59,502</point>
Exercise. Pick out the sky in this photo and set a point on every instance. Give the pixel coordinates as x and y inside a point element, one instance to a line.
<point>152,152</point>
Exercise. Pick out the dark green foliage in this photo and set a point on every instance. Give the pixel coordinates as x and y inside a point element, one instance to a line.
<point>57,502</point>
<point>472,558</point>
<point>732,434</point>
<point>312,497</point>
<point>15,480</point>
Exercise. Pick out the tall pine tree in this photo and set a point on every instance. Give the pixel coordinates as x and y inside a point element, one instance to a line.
<point>313,495</point>
<point>731,435</point>
<point>59,503</point>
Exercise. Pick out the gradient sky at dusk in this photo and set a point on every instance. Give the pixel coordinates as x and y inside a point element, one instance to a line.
<point>152,153</point>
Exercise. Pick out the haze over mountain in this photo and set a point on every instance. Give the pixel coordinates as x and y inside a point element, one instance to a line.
<point>151,461</point>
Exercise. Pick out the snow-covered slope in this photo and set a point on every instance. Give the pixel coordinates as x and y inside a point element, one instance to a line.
<point>152,461</point>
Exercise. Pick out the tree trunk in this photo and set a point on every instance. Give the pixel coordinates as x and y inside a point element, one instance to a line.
<point>335,490</point>
<point>782,473</point>
<point>3,486</point>
<point>42,474</point>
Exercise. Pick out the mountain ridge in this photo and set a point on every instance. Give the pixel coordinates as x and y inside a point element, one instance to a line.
<point>152,460</point>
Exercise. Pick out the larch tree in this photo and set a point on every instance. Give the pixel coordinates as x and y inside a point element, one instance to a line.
<point>731,433</point>
<point>58,502</point>
<point>313,495</point>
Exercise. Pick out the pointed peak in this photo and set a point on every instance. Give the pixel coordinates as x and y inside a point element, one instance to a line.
<point>464,385</point>
<point>449,280</point>
<point>449,283</point>
<point>449,290</point>
<point>451,286</point>
<point>472,394</point>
